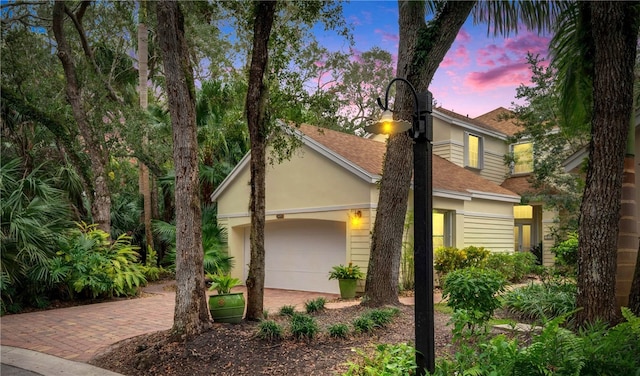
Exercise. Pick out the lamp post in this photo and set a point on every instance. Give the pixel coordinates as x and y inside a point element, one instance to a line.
<point>421,131</point>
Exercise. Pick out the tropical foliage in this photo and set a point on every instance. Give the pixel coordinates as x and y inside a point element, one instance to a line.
<point>90,265</point>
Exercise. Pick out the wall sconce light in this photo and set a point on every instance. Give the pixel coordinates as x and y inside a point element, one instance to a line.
<point>355,219</point>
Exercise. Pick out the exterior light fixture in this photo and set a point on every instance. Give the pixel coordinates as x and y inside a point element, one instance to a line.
<point>421,131</point>
<point>387,125</point>
<point>356,219</point>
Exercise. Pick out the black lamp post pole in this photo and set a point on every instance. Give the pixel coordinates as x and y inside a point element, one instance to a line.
<point>422,134</point>
<point>423,238</point>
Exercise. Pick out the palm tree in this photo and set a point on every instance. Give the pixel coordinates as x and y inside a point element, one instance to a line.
<point>595,68</point>
<point>33,214</point>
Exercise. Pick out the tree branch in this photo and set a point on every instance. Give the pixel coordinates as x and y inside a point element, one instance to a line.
<point>77,22</point>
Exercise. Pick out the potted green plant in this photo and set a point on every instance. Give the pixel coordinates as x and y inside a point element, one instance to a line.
<point>347,277</point>
<point>225,306</point>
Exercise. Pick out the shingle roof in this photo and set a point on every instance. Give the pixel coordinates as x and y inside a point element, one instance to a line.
<point>498,119</point>
<point>518,184</point>
<point>369,155</point>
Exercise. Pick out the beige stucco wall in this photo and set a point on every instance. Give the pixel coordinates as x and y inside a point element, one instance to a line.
<point>329,193</point>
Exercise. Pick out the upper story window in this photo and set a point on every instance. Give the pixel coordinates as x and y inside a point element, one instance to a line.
<point>473,151</point>
<point>523,157</point>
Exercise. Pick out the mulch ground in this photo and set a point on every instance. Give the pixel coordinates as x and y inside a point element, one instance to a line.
<point>234,349</point>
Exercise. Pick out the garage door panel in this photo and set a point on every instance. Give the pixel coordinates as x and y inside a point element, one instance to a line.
<point>299,254</point>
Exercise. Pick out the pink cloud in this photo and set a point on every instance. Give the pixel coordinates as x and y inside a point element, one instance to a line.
<point>508,75</point>
<point>458,57</point>
<point>463,36</point>
<point>386,36</point>
<point>528,42</point>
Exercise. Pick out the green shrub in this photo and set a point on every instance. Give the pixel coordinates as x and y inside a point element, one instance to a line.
<point>566,252</point>
<point>595,350</point>
<point>387,359</point>
<point>363,324</point>
<point>303,326</point>
<point>542,301</point>
<point>287,310</point>
<point>475,290</point>
<point>270,330</point>
<point>513,266</point>
<point>90,265</point>
<point>448,259</point>
<point>338,330</point>
<point>315,305</point>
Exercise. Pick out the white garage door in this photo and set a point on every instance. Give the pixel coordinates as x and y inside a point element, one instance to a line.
<point>300,254</point>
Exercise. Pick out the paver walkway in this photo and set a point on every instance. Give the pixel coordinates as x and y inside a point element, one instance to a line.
<point>79,333</point>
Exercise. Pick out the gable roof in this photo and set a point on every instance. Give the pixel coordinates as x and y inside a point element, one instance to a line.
<point>500,119</point>
<point>466,122</point>
<point>365,157</point>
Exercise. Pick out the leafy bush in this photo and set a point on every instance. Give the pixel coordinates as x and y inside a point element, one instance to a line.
<point>595,350</point>
<point>363,324</point>
<point>513,266</point>
<point>303,326</point>
<point>387,359</point>
<point>315,305</point>
<point>338,330</point>
<point>542,301</point>
<point>90,265</point>
<point>448,259</point>
<point>566,252</point>
<point>270,330</point>
<point>287,310</point>
<point>475,290</point>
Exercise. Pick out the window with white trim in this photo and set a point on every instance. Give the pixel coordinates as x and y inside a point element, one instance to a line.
<point>473,151</point>
<point>522,157</point>
<point>442,229</point>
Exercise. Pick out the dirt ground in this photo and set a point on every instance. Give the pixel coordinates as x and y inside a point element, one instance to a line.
<point>234,349</point>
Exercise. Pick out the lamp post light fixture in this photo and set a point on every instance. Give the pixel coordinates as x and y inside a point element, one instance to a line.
<point>421,131</point>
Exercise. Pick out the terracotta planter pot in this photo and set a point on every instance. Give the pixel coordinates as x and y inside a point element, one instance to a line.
<point>227,307</point>
<point>348,288</point>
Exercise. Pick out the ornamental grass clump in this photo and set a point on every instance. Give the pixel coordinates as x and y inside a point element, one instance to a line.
<point>270,330</point>
<point>382,317</point>
<point>338,330</point>
<point>315,305</point>
<point>303,326</point>
<point>287,310</point>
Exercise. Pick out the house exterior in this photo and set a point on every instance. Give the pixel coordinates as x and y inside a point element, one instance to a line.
<point>321,204</point>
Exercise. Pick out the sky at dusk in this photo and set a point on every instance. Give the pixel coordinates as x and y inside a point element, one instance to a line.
<point>478,74</point>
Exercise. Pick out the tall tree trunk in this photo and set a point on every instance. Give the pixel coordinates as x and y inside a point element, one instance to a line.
<point>94,143</point>
<point>614,33</point>
<point>144,186</point>
<point>422,48</point>
<point>191,315</point>
<point>264,12</point>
